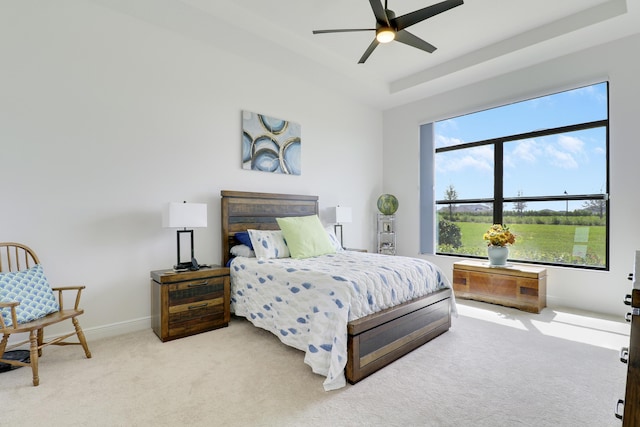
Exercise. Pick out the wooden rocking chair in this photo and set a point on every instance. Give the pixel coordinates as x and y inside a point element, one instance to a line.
<point>15,257</point>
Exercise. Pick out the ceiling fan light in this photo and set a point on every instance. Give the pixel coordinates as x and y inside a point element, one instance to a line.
<point>385,35</point>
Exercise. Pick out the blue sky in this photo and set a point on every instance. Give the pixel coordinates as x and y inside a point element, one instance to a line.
<point>572,162</point>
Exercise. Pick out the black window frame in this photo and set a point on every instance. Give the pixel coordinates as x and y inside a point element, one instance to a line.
<point>498,200</point>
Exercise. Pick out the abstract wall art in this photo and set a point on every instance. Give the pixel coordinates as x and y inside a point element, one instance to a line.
<point>270,144</point>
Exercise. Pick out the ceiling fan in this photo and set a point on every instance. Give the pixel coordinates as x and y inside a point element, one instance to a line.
<point>389,27</point>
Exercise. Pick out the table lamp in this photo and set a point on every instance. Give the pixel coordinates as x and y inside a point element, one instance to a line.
<point>185,215</point>
<point>340,215</point>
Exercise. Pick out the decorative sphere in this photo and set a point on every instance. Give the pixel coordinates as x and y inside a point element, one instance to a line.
<point>387,204</point>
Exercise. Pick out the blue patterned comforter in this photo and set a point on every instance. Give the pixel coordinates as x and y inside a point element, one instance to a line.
<point>307,303</point>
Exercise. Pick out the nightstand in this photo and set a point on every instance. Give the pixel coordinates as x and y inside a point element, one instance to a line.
<point>189,302</point>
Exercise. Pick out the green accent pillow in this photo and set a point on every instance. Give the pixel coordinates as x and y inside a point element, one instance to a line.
<point>305,236</point>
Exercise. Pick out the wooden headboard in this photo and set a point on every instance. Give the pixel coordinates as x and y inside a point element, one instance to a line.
<point>244,210</point>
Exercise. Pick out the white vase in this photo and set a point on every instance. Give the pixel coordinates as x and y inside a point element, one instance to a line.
<point>498,255</point>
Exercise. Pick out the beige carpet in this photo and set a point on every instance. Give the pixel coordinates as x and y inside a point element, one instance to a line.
<point>495,367</point>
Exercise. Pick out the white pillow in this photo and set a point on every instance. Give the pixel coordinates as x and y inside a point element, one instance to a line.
<point>242,250</point>
<point>333,239</point>
<point>269,244</point>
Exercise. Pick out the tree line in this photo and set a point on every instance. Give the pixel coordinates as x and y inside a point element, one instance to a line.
<point>589,207</point>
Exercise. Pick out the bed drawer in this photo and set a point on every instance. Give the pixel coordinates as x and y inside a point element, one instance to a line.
<point>381,338</point>
<point>188,303</point>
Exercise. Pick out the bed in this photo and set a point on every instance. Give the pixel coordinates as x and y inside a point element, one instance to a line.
<point>371,341</point>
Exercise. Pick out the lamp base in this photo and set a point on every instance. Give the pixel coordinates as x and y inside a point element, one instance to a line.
<point>183,266</point>
<point>335,230</point>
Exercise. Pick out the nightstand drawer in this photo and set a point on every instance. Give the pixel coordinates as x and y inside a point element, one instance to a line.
<point>195,317</point>
<point>196,309</point>
<point>196,291</point>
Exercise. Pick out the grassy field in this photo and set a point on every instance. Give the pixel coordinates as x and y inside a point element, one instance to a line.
<point>539,242</point>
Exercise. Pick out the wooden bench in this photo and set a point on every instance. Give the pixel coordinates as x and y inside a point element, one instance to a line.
<point>520,286</point>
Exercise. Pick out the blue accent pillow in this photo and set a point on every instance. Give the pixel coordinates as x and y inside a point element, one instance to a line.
<point>244,238</point>
<point>30,288</point>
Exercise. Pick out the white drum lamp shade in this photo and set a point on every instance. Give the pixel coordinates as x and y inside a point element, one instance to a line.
<point>184,215</point>
<point>341,215</point>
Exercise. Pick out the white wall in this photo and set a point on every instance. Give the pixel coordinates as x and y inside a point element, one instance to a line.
<point>595,291</point>
<point>104,118</point>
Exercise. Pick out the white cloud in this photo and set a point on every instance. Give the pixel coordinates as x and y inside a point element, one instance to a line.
<point>449,124</point>
<point>444,141</point>
<point>478,158</point>
<point>571,144</point>
<point>527,150</point>
<point>593,91</point>
<point>561,159</point>
<point>564,153</point>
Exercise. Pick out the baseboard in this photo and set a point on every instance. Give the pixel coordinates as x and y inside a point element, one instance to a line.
<point>95,333</point>
<point>561,303</point>
<point>115,329</point>
<point>553,302</point>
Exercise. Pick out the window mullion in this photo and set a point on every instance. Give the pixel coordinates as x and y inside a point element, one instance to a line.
<point>498,189</point>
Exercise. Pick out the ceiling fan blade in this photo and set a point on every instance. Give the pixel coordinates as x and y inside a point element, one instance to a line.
<point>404,21</point>
<point>378,11</point>
<point>342,30</point>
<point>409,39</point>
<point>369,50</point>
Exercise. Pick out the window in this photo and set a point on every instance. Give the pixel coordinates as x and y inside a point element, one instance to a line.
<point>539,166</point>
